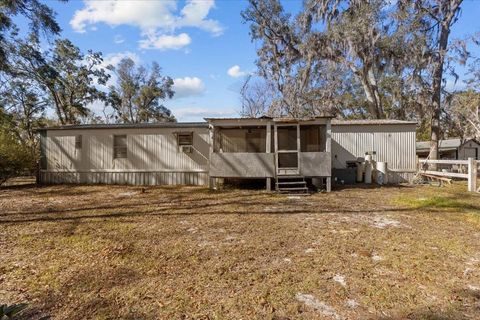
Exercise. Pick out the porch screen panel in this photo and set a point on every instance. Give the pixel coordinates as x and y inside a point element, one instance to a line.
<point>288,160</point>
<point>252,140</point>
<point>312,138</point>
<point>287,138</point>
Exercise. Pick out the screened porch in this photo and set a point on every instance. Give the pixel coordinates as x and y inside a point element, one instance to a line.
<point>269,148</point>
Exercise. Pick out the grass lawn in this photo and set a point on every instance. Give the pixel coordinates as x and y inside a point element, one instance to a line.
<point>106,252</point>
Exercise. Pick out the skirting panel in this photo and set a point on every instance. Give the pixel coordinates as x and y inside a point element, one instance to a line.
<point>130,178</point>
<point>395,177</point>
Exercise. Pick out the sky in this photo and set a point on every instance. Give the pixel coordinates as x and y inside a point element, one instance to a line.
<point>202,44</point>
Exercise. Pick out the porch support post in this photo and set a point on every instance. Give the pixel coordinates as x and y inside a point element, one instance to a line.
<point>211,134</point>
<point>268,142</point>
<point>298,149</point>
<point>328,148</point>
<point>269,184</point>
<point>328,145</point>
<point>329,184</point>
<point>275,148</point>
<point>268,149</point>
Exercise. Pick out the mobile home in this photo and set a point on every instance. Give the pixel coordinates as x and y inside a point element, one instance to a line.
<point>282,151</point>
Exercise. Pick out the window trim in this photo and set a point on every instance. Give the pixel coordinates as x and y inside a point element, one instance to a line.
<point>190,134</point>
<point>123,153</point>
<point>78,141</point>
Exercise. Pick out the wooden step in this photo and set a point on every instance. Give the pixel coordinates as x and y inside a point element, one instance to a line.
<point>291,182</point>
<point>291,177</point>
<point>294,188</point>
<point>293,185</point>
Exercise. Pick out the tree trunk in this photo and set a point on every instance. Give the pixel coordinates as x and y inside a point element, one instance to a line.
<point>449,9</point>
<point>369,84</point>
<point>437,92</point>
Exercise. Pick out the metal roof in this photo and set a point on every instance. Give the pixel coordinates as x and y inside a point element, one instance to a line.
<point>443,145</point>
<point>266,118</point>
<point>205,124</point>
<point>129,126</point>
<point>342,122</point>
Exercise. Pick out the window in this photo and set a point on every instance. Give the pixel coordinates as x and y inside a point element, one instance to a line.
<point>287,137</point>
<point>78,142</point>
<point>119,147</point>
<point>251,139</point>
<point>312,138</point>
<point>185,139</point>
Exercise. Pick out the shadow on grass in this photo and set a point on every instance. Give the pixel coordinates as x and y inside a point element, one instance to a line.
<point>191,211</point>
<point>92,292</point>
<point>428,315</point>
<point>175,201</point>
<point>439,202</point>
<point>365,186</point>
<point>467,308</point>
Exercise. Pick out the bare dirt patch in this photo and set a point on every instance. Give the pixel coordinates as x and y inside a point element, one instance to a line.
<point>103,252</point>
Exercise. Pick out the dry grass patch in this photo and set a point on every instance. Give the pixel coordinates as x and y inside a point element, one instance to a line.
<point>103,252</point>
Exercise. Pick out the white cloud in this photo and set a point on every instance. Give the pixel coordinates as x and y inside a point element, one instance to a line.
<point>236,72</point>
<point>114,59</point>
<point>188,86</point>
<point>118,39</point>
<point>165,42</point>
<point>194,14</point>
<point>143,14</point>
<point>155,19</point>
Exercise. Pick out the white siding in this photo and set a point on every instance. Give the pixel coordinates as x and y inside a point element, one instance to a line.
<point>151,150</point>
<point>394,144</point>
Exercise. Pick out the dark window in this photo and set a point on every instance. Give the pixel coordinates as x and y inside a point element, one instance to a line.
<point>249,139</point>
<point>287,137</point>
<point>312,138</point>
<point>78,142</point>
<point>288,160</point>
<point>255,141</point>
<point>119,147</point>
<point>185,139</point>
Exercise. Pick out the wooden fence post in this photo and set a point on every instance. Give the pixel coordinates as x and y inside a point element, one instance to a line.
<point>472,175</point>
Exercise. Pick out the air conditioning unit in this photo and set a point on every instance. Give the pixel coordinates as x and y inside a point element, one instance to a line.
<point>186,149</point>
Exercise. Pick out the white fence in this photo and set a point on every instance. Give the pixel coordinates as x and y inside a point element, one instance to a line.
<point>462,169</point>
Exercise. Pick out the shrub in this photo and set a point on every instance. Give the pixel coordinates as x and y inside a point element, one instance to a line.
<point>15,157</point>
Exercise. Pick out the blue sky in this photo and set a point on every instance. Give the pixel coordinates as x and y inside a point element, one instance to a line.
<point>203,45</point>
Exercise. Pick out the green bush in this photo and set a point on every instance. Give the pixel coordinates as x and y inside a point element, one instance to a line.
<point>15,157</point>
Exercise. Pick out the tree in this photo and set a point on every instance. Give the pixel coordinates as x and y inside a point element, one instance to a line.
<point>463,109</point>
<point>41,19</point>
<point>314,57</point>
<point>438,16</point>
<point>15,157</point>
<point>355,34</point>
<point>24,107</point>
<point>138,93</point>
<point>280,60</point>
<point>68,76</point>
<point>257,97</point>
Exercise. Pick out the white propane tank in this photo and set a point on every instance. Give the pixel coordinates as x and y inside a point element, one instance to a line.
<point>368,168</point>
<point>382,177</point>
<point>360,170</point>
